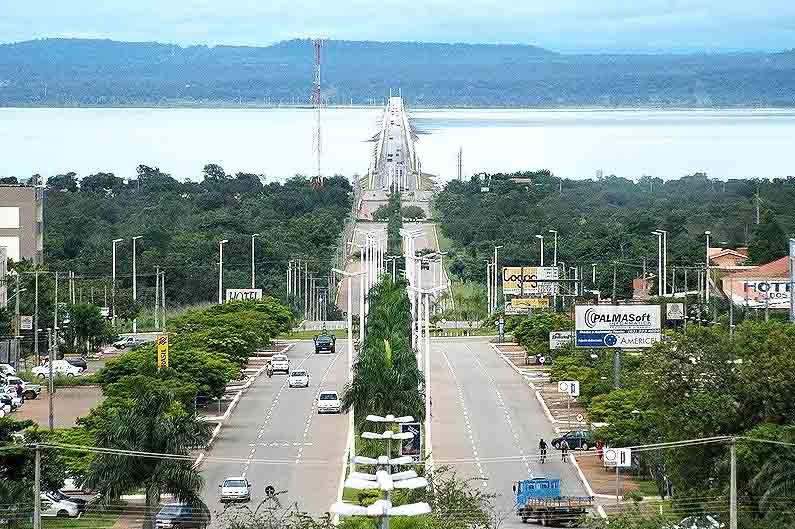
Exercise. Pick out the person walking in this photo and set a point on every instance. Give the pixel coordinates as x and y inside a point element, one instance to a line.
<point>564,450</point>
<point>542,448</point>
<point>269,370</point>
<point>20,392</point>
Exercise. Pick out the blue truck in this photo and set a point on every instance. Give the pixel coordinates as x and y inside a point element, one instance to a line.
<point>539,498</point>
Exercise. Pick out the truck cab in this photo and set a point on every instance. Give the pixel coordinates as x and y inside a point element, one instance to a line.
<point>536,487</point>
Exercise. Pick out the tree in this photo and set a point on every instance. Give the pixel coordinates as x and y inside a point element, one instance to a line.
<point>156,423</point>
<point>63,182</point>
<point>769,241</point>
<point>412,212</point>
<point>88,326</point>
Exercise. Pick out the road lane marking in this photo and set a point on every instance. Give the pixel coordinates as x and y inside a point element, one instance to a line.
<point>312,411</point>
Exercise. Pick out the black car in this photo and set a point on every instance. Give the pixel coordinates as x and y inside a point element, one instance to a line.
<point>577,440</point>
<point>325,344</point>
<point>182,516</point>
<point>77,361</point>
<point>57,495</point>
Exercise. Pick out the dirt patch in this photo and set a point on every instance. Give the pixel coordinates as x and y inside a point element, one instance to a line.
<point>68,405</point>
<point>602,479</point>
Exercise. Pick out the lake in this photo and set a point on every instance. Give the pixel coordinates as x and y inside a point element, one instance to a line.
<point>278,142</point>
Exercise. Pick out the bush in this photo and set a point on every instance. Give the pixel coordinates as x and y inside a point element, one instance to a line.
<point>412,212</point>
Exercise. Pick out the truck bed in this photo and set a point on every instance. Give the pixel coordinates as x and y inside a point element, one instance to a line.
<point>562,502</point>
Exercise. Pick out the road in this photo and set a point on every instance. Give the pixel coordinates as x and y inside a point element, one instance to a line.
<point>279,424</point>
<point>486,423</point>
<point>394,166</point>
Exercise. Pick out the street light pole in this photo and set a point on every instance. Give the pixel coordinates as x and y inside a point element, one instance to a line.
<point>555,251</point>
<point>135,283</point>
<point>659,263</point>
<point>706,275</point>
<point>665,261</point>
<point>593,276</point>
<point>253,270</point>
<point>541,238</point>
<point>221,270</point>
<point>494,292</point>
<point>113,286</point>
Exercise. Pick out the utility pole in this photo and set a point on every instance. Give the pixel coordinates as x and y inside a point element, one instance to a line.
<point>135,282</point>
<point>55,316</point>
<point>113,285</point>
<point>757,203</point>
<point>733,485</point>
<point>163,298</point>
<point>614,282</point>
<point>460,164</point>
<point>791,281</point>
<point>157,297</point>
<point>221,270</point>
<point>252,258</point>
<point>37,488</point>
<point>36,319</point>
<point>706,273</point>
<point>16,308</point>
<point>51,383</point>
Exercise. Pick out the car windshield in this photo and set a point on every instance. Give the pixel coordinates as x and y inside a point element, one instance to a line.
<point>298,374</point>
<point>328,396</point>
<point>235,483</point>
<point>324,339</point>
<point>170,510</point>
<point>279,358</point>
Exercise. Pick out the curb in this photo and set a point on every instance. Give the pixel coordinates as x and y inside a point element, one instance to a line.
<point>552,420</point>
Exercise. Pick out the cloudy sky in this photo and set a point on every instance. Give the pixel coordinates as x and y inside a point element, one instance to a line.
<point>563,25</point>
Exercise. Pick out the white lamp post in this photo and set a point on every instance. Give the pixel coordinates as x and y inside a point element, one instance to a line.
<point>555,250</point>
<point>706,275</point>
<point>494,290</point>
<point>541,238</point>
<point>221,270</point>
<point>135,284</point>
<point>253,235</point>
<point>113,286</point>
<point>660,286</point>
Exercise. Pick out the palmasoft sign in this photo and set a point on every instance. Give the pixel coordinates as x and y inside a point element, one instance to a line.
<point>619,326</point>
<point>530,280</point>
<point>243,294</point>
<point>559,339</point>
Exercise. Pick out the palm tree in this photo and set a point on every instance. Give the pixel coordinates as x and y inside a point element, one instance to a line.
<point>156,423</point>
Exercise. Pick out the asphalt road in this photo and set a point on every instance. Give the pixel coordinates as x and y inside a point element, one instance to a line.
<point>486,423</point>
<point>275,437</point>
<point>395,165</point>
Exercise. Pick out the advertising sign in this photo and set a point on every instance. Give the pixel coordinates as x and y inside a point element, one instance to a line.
<point>530,280</point>
<point>620,326</point>
<point>243,294</point>
<point>618,457</point>
<point>26,323</point>
<point>759,293</point>
<point>559,339</point>
<point>162,351</point>
<point>674,311</point>
<point>411,447</point>
<point>520,306</point>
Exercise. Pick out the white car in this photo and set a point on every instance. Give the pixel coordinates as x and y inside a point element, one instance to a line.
<point>61,509</point>
<point>11,391</point>
<point>329,402</point>
<point>299,378</point>
<point>235,489</point>
<point>59,367</point>
<point>280,363</point>
<point>700,521</point>
<point>7,369</point>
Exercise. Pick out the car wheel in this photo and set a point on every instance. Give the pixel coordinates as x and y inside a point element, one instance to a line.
<point>63,514</point>
<point>70,375</point>
<point>41,375</point>
<point>29,395</point>
<point>584,446</point>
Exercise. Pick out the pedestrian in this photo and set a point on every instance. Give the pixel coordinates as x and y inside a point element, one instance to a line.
<point>600,449</point>
<point>20,391</point>
<point>270,370</point>
<point>542,448</point>
<point>564,450</point>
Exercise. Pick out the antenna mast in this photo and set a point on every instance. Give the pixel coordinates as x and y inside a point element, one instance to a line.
<point>317,145</point>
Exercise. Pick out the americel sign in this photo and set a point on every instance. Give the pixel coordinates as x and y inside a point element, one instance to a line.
<point>620,326</point>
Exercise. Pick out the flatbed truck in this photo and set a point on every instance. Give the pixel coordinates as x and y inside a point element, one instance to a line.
<point>539,498</point>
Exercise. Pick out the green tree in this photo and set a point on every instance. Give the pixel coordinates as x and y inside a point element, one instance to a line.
<point>88,326</point>
<point>156,423</point>
<point>769,241</point>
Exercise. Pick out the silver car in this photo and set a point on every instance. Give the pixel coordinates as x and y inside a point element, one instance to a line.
<point>235,489</point>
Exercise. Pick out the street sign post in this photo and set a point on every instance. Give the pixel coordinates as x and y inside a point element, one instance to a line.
<point>572,389</point>
<point>560,339</point>
<point>162,351</point>
<point>26,323</point>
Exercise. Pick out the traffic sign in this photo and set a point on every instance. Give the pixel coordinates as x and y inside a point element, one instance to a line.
<point>541,359</point>
<point>618,457</point>
<point>580,417</point>
<point>26,323</point>
<point>572,387</point>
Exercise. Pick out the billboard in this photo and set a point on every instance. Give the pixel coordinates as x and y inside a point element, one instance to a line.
<point>560,339</point>
<point>619,326</point>
<point>519,306</point>
<point>243,294</point>
<point>530,280</point>
<point>162,351</point>
<point>411,447</point>
<point>759,293</point>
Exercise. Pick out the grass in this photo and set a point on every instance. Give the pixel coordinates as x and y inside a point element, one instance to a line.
<point>88,520</point>
<point>60,381</point>
<point>308,335</point>
<point>647,487</point>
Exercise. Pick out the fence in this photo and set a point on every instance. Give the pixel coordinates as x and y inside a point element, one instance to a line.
<point>9,351</point>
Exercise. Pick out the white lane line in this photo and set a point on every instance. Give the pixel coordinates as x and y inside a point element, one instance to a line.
<point>462,402</point>
<point>312,414</point>
<point>503,406</point>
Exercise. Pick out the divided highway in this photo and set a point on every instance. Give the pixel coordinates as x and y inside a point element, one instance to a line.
<point>276,423</point>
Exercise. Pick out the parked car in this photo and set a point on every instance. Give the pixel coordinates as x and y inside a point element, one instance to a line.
<point>77,361</point>
<point>298,378</point>
<point>182,516</point>
<point>61,509</point>
<point>235,489</point>
<point>59,367</point>
<point>578,440</point>
<point>328,402</point>
<point>57,495</point>
<point>7,369</point>
<point>29,391</point>
<point>127,341</point>
<point>7,403</point>
<point>280,363</point>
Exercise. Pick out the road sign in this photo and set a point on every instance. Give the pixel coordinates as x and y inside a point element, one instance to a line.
<point>580,417</point>
<point>618,457</point>
<point>411,447</point>
<point>675,311</point>
<point>541,359</point>
<point>162,351</point>
<point>26,323</point>
<point>560,339</point>
<point>619,326</point>
<point>572,387</point>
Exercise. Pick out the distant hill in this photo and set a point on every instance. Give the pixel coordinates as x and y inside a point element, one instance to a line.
<point>81,72</point>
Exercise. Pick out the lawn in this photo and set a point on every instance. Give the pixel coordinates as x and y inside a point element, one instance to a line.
<point>308,335</point>
<point>89,520</point>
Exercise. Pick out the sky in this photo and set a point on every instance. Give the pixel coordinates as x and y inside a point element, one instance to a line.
<point>590,26</point>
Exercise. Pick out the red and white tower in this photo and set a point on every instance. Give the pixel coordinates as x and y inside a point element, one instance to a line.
<point>317,103</point>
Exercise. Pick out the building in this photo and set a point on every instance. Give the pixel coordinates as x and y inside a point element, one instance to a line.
<point>761,286</point>
<point>642,287</point>
<point>728,259</point>
<point>22,222</point>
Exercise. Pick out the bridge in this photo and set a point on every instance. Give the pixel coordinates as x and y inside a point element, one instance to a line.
<point>394,162</point>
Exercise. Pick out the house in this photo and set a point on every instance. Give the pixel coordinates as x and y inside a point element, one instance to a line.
<point>727,258</point>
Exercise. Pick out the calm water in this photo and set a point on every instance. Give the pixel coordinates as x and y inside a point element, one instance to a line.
<point>278,142</point>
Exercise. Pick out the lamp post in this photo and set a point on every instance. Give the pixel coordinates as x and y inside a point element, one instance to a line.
<point>494,291</point>
<point>221,270</point>
<point>253,271</point>
<point>488,286</point>
<point>660,291</point>
<point>593,276</point>
<point>555,250</point>
<point>135,284</point>
<point>706,274</point>
<point>664,261</point>
<point>113,285</point>
<point>541,238</point>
